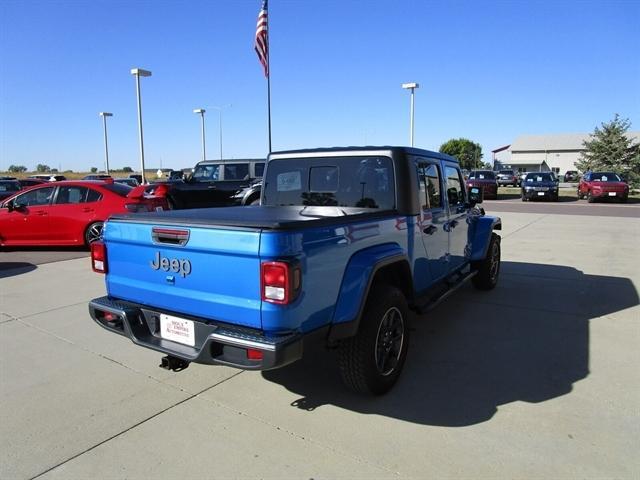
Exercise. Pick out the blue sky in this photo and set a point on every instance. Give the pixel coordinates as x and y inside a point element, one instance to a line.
<point>488,71</point>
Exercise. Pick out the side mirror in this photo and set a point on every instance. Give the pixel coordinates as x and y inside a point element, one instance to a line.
<point>475,195</point>
<point>9,206</point>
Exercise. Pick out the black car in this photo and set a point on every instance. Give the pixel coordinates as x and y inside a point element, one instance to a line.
<point>540,185</point>
<point>8,188</point>
<point>507,177</point>
<point>571,176</point>
<point>218,184</point>
<point>29,182</point>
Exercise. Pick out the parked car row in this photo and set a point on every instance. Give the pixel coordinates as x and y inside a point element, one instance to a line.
<point>70,212</point>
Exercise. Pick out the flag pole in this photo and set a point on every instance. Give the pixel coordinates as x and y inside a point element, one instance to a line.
<point>269,88</point>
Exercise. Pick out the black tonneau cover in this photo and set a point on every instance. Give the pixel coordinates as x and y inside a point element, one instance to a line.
<point>264,217</point>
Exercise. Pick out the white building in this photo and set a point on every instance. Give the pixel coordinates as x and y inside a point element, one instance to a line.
<point>557,153</point>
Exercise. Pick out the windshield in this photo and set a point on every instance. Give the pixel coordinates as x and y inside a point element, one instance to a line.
<point>506,172</point>
<point>483,175</point>
<point>361,182</point>
<point>9,186</point>
<point>605,177</point>
<point>540,177</point>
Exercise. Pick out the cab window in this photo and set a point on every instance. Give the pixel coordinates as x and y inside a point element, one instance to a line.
<point>455,190</point>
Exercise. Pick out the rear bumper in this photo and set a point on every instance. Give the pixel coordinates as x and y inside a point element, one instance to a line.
<point>215,343</point>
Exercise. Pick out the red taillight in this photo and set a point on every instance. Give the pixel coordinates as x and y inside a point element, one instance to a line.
<point>99,257</point>
<point>253,354</point>
<point>280,282</point>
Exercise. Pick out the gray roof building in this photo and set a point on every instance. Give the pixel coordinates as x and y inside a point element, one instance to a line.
<point>555,152</point>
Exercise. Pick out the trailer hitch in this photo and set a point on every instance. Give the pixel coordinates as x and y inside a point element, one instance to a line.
<point>174,364</point>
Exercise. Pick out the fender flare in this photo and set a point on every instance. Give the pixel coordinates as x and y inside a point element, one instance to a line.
<point>251,192</point>
<point>484,227</point>
<point>356,284</point>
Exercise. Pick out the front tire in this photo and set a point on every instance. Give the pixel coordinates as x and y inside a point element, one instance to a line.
<point>371,361</point>
<point>489,268</point>
<point>93,233</point>
<point>590,198</point>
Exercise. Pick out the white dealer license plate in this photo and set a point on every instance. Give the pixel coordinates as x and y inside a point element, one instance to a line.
<point>540,193</point>
<point>177,329</point>
<point>612,194</point>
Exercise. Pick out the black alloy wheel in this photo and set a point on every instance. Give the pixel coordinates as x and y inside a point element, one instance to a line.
<point>93,233</point>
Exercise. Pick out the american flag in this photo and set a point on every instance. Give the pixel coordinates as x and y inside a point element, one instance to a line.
<point>262,38</point>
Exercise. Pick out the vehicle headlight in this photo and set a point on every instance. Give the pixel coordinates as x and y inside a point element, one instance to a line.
<point>528,187</point>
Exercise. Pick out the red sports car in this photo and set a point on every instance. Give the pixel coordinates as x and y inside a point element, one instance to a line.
<point>70,212</point>
<point>603,185</point>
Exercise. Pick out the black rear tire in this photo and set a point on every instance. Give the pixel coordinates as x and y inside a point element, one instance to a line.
<point>371,362</point>
<point>489,268</point>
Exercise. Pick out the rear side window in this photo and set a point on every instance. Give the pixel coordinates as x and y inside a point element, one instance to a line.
<point>236,171</point>
<point>259,169</point>
<point>429,177</point>
<point>361,182</point>
<point>74,194</point>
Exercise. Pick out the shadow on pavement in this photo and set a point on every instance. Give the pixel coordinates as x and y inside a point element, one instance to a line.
<point>11,269</point>
<point>527,340</point>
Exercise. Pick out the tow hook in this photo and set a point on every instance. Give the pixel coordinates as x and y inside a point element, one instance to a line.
<point>173,363</point>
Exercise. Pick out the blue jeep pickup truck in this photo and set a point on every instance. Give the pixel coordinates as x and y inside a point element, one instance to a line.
<point>346,242</point>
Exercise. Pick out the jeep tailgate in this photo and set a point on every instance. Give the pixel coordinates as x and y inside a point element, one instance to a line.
<point>205,272</point>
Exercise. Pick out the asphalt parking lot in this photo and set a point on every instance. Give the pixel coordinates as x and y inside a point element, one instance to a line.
<point>536,379</point>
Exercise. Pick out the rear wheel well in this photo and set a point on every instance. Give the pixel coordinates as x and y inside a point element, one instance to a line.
<point>398,275</point>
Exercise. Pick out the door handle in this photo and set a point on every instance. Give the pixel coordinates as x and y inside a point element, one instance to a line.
<point>41,213</point>
<point>87,210</point>
<point>430,230</point>
<point>212,186</point>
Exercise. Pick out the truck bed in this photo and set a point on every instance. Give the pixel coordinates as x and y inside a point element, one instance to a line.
<point>256,217</point>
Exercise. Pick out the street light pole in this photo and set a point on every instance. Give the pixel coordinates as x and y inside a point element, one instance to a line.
<point>411,86</point>
<point>201,112</point>
<point>104,116</point>
<point>219,109</point>
<point>139,72</point>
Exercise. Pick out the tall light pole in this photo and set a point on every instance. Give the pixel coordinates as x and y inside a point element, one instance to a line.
<point>201,112</point>
<point>411,86</point>
<point>139,72</point>
<point>219,109</point>
<point>104,116</point>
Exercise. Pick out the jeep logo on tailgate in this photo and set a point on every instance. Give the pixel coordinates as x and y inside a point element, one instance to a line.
<point>181,266</point>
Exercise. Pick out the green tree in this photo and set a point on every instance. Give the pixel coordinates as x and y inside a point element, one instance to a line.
<point>127,170</point>
<point>94,169</point>
<point>609,148</point>
<point>17,168</point>
<point>41,168</point>
<point>468,153</point>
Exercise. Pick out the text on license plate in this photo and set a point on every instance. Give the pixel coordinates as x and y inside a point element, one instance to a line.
<point>177,329</point>
<point>612,194</point>
<point>540,193</point>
